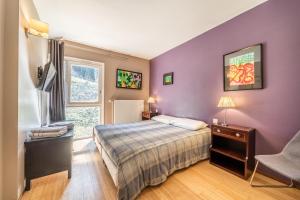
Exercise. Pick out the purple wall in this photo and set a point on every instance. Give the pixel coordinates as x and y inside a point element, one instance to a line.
<point>198,77</point>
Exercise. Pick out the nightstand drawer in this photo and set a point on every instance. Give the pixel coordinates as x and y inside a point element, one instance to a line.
<point>146,115</point>
<point>231,133</point>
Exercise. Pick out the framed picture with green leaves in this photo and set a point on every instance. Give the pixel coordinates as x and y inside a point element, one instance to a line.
<point>129,79</point>
<point>168,78</point>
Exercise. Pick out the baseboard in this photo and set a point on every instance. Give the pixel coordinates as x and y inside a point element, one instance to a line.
<point>21,190</point>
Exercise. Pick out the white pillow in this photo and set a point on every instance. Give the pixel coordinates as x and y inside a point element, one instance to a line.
<point>164,119</point>
<point>189,124</point>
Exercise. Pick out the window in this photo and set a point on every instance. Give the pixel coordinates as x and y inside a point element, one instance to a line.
<point>84,95</point>
<point>85,118</point>
<point>84,84</point>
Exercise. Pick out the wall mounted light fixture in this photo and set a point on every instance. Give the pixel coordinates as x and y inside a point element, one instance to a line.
<point>37,28</point>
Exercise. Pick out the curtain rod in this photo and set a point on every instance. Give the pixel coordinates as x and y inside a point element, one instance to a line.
<point>59,39</point>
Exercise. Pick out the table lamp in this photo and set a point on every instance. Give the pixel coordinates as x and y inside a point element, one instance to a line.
<point>150,101</point>
<point>226,102</point>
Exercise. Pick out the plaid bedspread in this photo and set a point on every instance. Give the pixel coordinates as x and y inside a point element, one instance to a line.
<point>146,152</point>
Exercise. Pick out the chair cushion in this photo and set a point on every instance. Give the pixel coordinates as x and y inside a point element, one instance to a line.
<point>281,164</point>
<point>291,150</point>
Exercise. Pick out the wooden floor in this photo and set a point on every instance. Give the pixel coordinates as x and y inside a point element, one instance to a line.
<point>91,181</point>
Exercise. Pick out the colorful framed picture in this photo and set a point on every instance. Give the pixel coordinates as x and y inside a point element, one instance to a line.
<point>243,69</point>
<point>128,79</point>
<point>168,78</point>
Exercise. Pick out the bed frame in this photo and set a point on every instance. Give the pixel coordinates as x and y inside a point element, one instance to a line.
<point>113,170</point>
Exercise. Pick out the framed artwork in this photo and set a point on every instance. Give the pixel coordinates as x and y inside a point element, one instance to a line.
<point>243,70</point>
<point>168,78</point>
<point>128,79</point>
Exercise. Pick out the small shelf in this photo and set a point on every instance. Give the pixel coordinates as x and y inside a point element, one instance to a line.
<point>229,164</point>
<point>232,149</point>
<point>235,172</point>
<point>229,152</point>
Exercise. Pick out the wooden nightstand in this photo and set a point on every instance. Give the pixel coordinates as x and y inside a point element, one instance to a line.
<point>146,115</point>
<point>233,149</point>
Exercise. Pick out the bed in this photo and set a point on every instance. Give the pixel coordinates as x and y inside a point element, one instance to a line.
<point>146,153</point>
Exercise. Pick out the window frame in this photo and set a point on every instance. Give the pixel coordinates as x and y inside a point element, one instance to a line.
<point>69,61</point>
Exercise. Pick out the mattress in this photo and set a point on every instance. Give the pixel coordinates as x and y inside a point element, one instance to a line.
<point>113,171</point>
<point>145,153</point>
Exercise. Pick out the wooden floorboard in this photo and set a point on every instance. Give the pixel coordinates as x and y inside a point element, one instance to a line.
<point>91,181</point>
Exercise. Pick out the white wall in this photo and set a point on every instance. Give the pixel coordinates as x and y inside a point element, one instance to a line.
<point>1,86</point>
<point>32,53</point>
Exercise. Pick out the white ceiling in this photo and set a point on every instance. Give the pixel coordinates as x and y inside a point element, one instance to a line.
<point>142,28</point>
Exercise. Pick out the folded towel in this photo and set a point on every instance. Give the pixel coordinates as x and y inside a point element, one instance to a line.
<point>48,129</point>
<point>68,124</point>
<point>48,134</point>
<point>45,135</point>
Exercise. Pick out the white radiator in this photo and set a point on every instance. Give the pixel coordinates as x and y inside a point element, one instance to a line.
<point>127,111</point>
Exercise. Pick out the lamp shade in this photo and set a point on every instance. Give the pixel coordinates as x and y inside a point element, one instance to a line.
<point>151,100</point>
<point>226,102</point>
<point>38,28</point>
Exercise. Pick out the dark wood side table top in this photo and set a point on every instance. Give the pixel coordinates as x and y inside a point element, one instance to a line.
<point>45,156</point>
<point>233,148</point>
